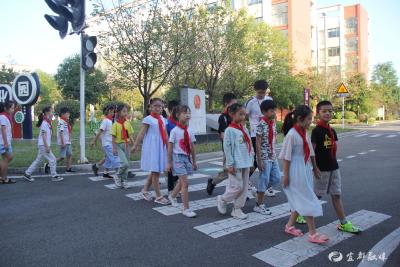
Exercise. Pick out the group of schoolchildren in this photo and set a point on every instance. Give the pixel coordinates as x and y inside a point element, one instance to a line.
<point>310,168</point>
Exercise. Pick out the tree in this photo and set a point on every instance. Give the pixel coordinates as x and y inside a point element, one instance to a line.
<point>68,80</point>
<point>7,75</point>
<point>49,92</point>
<point>142,43</point>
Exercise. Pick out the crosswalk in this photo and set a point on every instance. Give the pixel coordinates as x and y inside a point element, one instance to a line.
<point>366,134</point>
<point>287,253</point>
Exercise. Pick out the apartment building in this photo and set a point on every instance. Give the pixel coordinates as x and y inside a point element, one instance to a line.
<point>340,40</point>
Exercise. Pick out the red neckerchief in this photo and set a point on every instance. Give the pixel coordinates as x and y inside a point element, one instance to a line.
<point>325,125</point>
<point>246,137</point>
<point>186,137</point>
<point>161,127</point>
<point>49,122</point>
<point>8,116</point>
<point>302,133</point>
<point>124,132</point>
<point>171,119</point>
<point>270,124</point>
<point>69,127</point>
<point>110,117</point>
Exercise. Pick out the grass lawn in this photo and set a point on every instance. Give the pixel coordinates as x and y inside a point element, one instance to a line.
<point>25,150</point>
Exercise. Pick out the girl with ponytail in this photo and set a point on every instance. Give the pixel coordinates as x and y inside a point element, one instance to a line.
<point>6,111</point>
<point>298,159</point>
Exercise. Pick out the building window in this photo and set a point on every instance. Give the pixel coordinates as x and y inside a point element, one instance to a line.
<point>211,6</point>
<point>280,14</point>
<point>352,44</point>
<point>334,69</point>
<point>334,32</point>
<point>334,51</point>
<point>254,2</point>
<point>351,25</point>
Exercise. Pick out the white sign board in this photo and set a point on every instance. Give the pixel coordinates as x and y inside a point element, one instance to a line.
<point>196,100</point>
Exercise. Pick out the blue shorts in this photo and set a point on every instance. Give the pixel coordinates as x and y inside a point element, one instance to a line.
<point>4,151</point>
<point>65,151</point>
<point>181,165</point>
<point>270,176</point>
<point>111,161</point>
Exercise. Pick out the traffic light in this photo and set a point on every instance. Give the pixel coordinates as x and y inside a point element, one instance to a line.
<point>67,10</point>
<point>88,57</point>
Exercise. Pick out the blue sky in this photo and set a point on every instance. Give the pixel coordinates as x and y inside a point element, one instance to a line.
<point>26,37</point>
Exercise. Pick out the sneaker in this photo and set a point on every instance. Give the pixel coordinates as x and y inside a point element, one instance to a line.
<point>131,175</point>
<point>270,192</point>
<point>95,170</point>
<point>238,214</point>
<point>210,187</point>
<point>28,177</point>
<point>69,170</point>
<point>189,213</point>
<point>262,209</point>
<point>117,182</point>
<point>56,178</point>
<point>221,205</point>
<point>108,176</point>
<point>173,200</point>
<point>349,228</point>
<point>46,168</point>
<point>301,220</point>
<point>126,185</point>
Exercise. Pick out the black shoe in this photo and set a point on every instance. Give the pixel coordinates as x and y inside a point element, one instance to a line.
<point>46,168</point>
<point>210,187</point>
<point>107,175</point>
<point>69,170</point>
<point>95,169</point>
<point>131,175</point>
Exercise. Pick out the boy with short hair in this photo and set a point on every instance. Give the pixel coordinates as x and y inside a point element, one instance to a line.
<point>266,154</point>
<point>324,139</point>
<point>64,131</point>
<point>223,122</point>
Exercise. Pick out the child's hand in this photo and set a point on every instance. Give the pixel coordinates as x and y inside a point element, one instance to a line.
<point>169,167</point>
<point>47,149</point>
<point>261,165</point>
<point>285,181</point>
<point>63,145</point>
<point>317,173</point>
<point>134,149</point>
<point>194,166</point>
<point>231,170</point>
<point>6,146</point>
<point>115,151</point>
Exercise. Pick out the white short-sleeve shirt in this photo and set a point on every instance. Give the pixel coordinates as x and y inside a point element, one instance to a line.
<point>45,128</point>
<point>62,129</point>
<point>177,137</point>
<point>106,138</point>
<point>254,112</point>
<point>4,121</point>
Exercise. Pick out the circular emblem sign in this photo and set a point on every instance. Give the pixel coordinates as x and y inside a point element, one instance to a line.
<point>25,89</point>
<point>5,93</point>
<point>197,102</point>
<point>19,117</point>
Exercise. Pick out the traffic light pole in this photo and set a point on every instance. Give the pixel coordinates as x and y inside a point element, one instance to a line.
<point>82,109</point>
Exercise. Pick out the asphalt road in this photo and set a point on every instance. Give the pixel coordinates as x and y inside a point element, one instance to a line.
<point>80,222</point>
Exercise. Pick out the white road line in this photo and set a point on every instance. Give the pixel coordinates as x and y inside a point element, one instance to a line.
<point>339,160</point>
<point>376,135</point>
<point>361,135</point>
<point>298,249</point>
<point>219,163</point>
<point>362,153</point>
<point>387,245</point>
<point>142,182</point>
<point>194,205</point>
<point>228,226</point>
<point>350,157</point>
<point>98,178</point>
<point>192,188</point>
<point>372,150</point>
<point>391,136</point>
<point>208,160</point>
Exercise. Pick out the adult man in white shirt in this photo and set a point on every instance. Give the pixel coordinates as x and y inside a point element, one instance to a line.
<point>254,114</point>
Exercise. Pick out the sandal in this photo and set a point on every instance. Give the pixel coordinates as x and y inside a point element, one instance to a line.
<point>162,200</point>
<point>318,238</point>
<point>147,195</point>
<point>8,181</point>
<point>293,231</point>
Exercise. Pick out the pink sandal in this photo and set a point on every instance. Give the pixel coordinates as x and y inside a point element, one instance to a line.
<point>318,238</point>
<point>293,231</point>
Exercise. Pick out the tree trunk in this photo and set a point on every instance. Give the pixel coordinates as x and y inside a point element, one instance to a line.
<point>210,103</point>
<point>146,102</point>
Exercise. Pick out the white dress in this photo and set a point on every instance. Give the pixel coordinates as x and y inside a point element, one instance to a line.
<point>300,192</point>
<point>154,152</point>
